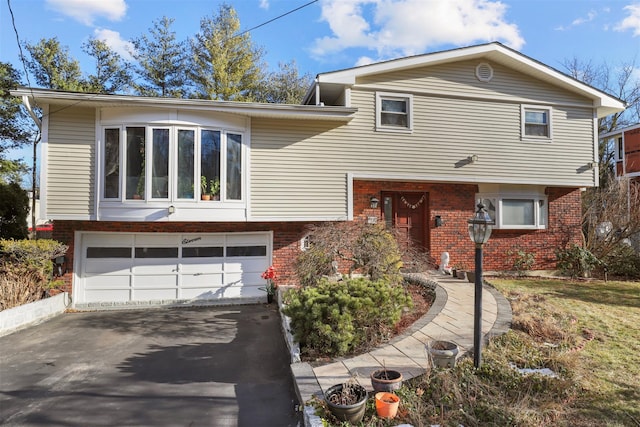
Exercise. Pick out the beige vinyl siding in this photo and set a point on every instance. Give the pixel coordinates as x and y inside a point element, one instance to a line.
<point>459,80</point>
<point>70,162</point>
<point>299,169</point>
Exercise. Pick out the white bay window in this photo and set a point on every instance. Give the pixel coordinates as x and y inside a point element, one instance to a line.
<point>167,163</point>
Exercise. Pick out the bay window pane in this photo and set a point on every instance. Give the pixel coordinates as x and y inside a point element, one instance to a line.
<point>135,172</point>
<point>160,169</point>
<point>234,167</point>
<point>186,164</point>
<point>111,165</point>
<point>210,163</point>
<point>518,212</point>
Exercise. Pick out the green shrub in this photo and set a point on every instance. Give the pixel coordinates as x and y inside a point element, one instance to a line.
<point>335,319</point>
<point>26,269</point>
<point>576,261</point>
<point>522,261</point>
<point>623,262</point>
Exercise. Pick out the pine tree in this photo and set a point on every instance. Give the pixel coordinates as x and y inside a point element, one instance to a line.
<point>53,67</point>
<point>161,61</point>
<point>112,72</point>
<point>225,65</point>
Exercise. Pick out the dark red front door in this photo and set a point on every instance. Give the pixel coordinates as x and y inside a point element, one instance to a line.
<point>408,212</point>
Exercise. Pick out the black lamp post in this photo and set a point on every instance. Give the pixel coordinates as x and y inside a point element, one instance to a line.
<point>480,227</point>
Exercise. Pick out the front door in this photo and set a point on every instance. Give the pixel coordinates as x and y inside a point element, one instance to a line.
<point>408,212</point>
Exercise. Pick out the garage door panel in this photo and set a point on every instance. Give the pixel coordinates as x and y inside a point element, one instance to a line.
<point>120,267</point>
<point>99,295</point>
<point>109,282</point>
<point>107,266</point>
<point>155,281</point>
<point>154,294</point>
<point>202,280</point>
<point>155,267</point>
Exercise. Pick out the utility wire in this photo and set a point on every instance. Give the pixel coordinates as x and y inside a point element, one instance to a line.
<point>274,19</point>
<point>15,30</point>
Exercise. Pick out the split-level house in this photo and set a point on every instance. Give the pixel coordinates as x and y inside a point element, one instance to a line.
<point>426,136</point>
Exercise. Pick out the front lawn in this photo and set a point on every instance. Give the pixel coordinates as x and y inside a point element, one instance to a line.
<point>586,332</point>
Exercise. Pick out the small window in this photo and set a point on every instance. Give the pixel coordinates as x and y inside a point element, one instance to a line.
<point>619,150</point>
<point>516,211</point>
<point>102,252</point>
<point>203,252</point>
<point>156,252</point>
<point>536,122</point>
<point>394,112</point>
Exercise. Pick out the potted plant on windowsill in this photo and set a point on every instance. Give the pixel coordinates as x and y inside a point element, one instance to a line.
<point>204,195</point>
<point>214,187</point>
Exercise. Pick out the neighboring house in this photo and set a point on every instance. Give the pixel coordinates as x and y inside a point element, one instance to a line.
<point>428,136</point>
<point>626,148</point>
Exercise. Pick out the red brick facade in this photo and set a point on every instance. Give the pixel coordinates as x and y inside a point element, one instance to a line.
<point>454,203</point>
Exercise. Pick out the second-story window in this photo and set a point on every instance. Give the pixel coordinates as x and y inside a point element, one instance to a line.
<point>394,112</point>
<point>171,163</point>
<point>536,122</point>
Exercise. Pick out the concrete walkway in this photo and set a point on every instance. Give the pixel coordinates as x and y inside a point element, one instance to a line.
<point>450,318</point>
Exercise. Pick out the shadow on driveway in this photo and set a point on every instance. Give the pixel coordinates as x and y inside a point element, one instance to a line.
<point>213,366</point>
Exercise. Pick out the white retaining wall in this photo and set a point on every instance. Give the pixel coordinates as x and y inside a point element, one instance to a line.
<point>20,317</point>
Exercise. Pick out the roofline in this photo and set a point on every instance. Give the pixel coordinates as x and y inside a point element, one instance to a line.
<point>619,131</point>
<point>608,103</point>
<point>251,109</point>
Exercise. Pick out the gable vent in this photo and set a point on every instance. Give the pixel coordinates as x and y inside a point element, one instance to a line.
<point>484,72</point>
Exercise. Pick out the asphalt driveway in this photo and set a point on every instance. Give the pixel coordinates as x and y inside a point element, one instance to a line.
<point>213,366</point>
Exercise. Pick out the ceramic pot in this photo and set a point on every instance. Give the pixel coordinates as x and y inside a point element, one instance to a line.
<point>443,353</point>
<point>386,380</point>
<point>352,412</point>
<point>387,404</point>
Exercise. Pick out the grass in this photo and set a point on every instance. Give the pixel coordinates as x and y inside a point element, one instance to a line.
<point>605,318</point>
<point>588,332</point>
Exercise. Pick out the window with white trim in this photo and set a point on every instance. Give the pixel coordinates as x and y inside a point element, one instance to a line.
<point>171,163</point>
<point>394,112</point>
<point>536,122</point>
<point>516,211</point>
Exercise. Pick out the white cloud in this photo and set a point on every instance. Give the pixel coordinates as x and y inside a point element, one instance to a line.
<point>264,4</point>
<point>115,42</point>
<point>407,27</point>
<point>631,22</point>
<point>86,11</point>
<point>579,21</point>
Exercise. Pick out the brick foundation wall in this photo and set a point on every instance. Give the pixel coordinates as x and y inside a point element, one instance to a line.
<point>454,203</point>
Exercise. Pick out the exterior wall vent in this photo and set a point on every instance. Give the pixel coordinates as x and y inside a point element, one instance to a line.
<point>484,72</point>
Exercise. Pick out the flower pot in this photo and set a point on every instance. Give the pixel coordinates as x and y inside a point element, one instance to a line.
<point>205,197</point>
<point>387,404</point>
<point>386,380</point>
<point>269,298</point>
<point>443,353</point>
<point>460,274</point>
<point>471,276</point>
<point>351,410</point>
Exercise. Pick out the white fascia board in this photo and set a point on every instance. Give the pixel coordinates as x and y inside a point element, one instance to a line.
<point>251,109</point>
<point>467,180</point>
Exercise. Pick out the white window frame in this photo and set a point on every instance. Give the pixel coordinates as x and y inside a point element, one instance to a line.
<point>540,205</point>
<point>408,98</point>
<point>173,172</point>
<point>537,108</point>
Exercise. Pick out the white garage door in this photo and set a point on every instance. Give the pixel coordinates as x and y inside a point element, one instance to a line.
<point>122,268</point>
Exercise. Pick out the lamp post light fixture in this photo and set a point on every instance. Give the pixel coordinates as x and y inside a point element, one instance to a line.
<point>373,202</point>
<point>480,227</point>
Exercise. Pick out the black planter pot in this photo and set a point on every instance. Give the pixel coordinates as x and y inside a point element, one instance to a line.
<point>269,298</point>
<point>352,413</point>
<point>386,380</point>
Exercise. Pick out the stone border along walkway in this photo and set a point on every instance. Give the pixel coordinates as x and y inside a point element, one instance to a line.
<point>450,318</point>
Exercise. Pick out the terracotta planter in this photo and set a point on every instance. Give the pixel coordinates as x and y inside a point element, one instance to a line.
<point>387,404</point>
<point>386,380</point>
<point>443,353</point>
<point>205,197</point>
<point>352,412</point>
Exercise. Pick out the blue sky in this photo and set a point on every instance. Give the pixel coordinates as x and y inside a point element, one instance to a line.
<point>334,34</point>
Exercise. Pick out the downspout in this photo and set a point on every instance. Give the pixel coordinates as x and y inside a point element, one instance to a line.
<point>38,122</point>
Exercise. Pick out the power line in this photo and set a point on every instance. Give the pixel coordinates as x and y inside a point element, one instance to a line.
<point>274,19</point>
<point>15,30</point>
